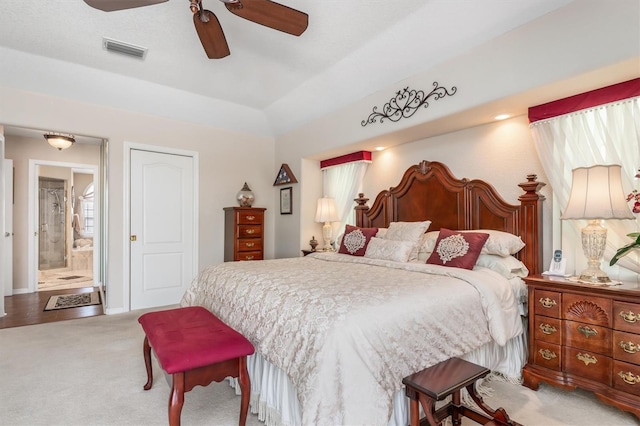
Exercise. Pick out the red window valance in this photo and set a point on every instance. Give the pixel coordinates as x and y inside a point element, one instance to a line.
<point>604,95</point>
<point>348,158</point>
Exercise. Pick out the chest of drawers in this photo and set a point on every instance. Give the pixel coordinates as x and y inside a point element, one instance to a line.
<point>587,337</point>
<point>243,233</point>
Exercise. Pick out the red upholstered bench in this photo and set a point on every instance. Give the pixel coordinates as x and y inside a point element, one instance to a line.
<point>196,348</point>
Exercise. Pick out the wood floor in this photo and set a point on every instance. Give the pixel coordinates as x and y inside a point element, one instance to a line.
<point>28,309</point>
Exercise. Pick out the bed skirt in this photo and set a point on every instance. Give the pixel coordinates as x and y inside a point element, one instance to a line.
<point>274,398</point>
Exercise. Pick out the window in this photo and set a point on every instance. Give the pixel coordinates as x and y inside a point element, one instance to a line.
<point>87,210</point>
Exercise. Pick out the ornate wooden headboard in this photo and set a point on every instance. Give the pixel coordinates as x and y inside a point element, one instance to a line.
<point>429,191</point>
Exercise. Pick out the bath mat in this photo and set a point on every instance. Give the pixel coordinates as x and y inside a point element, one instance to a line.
<point>64,301</point>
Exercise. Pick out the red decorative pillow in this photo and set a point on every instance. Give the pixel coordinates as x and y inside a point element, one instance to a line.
<point>457,249</point>
<point>355,240</point>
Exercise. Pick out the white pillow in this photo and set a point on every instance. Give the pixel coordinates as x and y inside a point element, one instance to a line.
<point>413,232</point>
<point>407,231</point>
<point>508,266</point>
<point>397,251</point>
<point>499,243</point>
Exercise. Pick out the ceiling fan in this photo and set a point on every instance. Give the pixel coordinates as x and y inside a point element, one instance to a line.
<point>263,12</point>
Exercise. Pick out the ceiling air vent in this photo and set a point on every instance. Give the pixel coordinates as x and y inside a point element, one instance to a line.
<point>124,48</point>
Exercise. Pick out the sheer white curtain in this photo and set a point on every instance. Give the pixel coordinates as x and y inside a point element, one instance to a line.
<point>343,182</point>
<point>607,134</point>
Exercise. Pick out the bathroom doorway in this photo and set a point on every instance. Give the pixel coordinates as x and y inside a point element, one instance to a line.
<point>65,226</point>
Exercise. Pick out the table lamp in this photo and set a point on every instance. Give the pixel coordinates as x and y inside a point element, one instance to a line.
<point>326,212</point>
<point>596,194</point>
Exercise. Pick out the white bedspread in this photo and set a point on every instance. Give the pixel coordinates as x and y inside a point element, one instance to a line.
<point>346,330</point>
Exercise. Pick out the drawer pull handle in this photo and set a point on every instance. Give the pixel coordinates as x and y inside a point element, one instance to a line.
<point>547,328</point>
<point>250,244</point>
<point>548,303</point>
<point>629,378</point>
<point>251,217</point>
<point>547,354</point>
<point>629,347</point>
<point>587,331</point>
<point>629,316</point>
<point>249,257</point>
<point>587,359</point>
<point>250,231</point>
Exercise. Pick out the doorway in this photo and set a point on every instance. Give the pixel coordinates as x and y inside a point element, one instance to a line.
<point>63,256</point>
<point>86,158</point>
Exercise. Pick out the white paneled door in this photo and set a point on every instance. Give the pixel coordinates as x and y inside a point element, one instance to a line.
<point>162,227</point>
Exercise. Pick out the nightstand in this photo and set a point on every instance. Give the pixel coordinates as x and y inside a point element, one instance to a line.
<point>306,252</point>
<point>585,336</point>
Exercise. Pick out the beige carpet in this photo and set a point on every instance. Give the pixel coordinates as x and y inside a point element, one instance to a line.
<point>91,372</point>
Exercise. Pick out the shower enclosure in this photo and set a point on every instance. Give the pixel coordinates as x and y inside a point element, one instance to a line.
<point>52,235</point>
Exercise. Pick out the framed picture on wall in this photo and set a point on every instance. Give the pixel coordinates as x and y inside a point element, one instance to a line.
<point>285,200</point>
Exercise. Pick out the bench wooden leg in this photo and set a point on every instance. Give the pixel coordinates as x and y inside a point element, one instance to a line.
<point>456,418</point>
<point>499,414</point>
<point>245,389</point>
<point>176,399</point>
<point>428,405</point>
<point>146,350</point>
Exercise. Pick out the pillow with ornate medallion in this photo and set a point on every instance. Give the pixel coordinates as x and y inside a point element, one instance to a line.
<point>457,249</point>
<point>355,240</point>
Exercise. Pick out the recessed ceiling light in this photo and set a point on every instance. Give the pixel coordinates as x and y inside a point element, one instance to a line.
<point>502,116</point>
<point>379,148</point>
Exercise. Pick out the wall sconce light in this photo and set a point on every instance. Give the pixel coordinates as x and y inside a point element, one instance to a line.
<point>59,141</point>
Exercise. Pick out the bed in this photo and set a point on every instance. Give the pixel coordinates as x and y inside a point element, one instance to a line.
<point>335,332</point>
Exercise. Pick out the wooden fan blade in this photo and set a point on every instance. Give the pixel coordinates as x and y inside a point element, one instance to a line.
<point>111,5</point>
<point>272,15</point>
<point>211,35</point>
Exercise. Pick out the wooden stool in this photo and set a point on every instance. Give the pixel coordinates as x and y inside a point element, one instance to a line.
<point>196,348</point>
<point>448,378</point>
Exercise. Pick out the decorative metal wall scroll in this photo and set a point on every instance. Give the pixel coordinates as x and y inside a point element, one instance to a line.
<point>406,103</point>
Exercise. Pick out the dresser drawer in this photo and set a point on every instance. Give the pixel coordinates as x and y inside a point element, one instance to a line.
<point>589,309</point>
<point>626,316</point>
<point>589,337</point>
<point>626,347</point>
<point>547,355</point>
<point>249,217</point>
<point>626,377</point>
<point>547,329</point>
<point>249,231</point>
<point>547,303</point>
<point>589,365</point>
<point>249,244</point>
<point>249,255</point>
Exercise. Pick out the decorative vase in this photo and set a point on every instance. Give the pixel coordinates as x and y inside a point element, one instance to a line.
<point>313,243</point>
<point>245,197</point>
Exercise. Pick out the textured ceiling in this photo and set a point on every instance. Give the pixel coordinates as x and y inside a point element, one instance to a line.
<point>367,43</point>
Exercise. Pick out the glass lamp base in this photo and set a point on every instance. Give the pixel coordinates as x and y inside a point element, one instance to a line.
<point>594,240</point>
<point>594,276</point>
